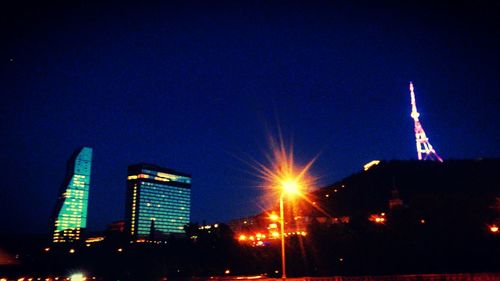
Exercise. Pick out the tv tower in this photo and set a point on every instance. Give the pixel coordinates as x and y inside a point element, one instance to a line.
<point>424,147</point>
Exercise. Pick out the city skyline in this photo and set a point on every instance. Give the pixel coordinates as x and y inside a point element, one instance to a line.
<point>201,87</point>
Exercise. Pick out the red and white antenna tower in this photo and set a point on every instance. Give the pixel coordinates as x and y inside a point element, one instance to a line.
<point>424,147</point>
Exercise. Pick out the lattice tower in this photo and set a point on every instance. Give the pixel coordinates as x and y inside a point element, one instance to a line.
<point>425,151</point>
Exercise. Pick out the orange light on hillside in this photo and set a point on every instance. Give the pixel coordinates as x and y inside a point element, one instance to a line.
<point>274,217</point>
<point>378,218</point>
<point>242,237</point>
<point>494,229</point>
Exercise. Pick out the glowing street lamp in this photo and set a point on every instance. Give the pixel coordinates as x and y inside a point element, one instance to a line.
<point>282,232</point>
<point>285,178</point>
<point>291,187</point>
<point>288,187</point>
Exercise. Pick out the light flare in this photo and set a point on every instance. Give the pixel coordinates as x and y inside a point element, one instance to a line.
<point>282,174</point>
<point>290,186</point>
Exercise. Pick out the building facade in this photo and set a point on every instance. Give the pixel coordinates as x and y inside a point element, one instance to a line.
<point>158,202</point>
<point>70,215</point>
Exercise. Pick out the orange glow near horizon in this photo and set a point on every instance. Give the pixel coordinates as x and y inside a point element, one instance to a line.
<point>259,236</point>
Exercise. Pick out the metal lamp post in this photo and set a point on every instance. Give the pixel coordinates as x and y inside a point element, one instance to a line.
<point>282,225</point>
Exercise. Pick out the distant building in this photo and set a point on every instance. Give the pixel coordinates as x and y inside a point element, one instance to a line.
<point>71,211</point>
<point>395,201</point>
<point>117,226</point>
<point>158,202</point>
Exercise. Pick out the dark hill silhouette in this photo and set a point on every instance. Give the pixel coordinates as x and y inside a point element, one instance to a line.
<point>419,184</point>
<point>439,222</point>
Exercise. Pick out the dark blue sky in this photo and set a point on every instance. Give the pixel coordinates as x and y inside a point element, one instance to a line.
<point>194,86</point>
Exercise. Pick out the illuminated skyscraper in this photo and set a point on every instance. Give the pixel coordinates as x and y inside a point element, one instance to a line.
<point>71,210</point>
<point>158,202</point>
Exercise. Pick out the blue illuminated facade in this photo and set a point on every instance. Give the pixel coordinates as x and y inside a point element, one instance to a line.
<point>158,202</point>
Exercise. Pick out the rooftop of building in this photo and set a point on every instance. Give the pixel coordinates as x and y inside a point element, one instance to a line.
<point>153,167</point>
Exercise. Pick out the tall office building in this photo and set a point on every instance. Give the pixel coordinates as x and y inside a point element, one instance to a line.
<point>71,210</point>
<point>158,202</point>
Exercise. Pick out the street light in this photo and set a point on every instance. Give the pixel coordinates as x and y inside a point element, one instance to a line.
<point>290,187</point>
<point>285,178</point>
<point>282,231</point>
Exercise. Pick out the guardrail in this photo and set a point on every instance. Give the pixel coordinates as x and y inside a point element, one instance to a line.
<point>410,277</point>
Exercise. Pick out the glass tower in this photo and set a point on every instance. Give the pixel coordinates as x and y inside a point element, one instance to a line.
<point>71,210</point>
<point>158,202</point>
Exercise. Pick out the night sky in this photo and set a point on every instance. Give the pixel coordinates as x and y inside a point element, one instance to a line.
<point>199,86</point>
